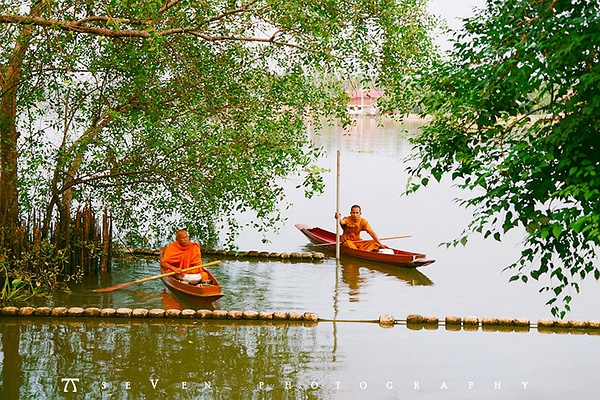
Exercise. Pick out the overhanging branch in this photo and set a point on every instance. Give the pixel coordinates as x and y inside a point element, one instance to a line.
<point>143,29</point>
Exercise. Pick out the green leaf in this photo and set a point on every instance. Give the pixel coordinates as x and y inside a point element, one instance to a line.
<point>557,230</point>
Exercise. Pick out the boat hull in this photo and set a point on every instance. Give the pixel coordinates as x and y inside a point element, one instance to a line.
<point>206,292</point>
<point>400,258</point>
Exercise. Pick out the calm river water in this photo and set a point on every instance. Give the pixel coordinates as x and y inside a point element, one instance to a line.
<point>348,359</point>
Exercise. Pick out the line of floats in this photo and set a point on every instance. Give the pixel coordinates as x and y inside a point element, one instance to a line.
<point>275,256</point>
<point>412,321</point>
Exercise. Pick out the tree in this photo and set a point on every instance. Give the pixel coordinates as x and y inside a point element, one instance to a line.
<point>516,108</point>
<point>179,112</point>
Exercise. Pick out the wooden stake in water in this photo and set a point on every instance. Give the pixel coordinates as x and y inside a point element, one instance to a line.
<point>337,211</point>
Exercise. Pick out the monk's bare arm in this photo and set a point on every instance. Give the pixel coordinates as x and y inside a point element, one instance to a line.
<point>376,239</point>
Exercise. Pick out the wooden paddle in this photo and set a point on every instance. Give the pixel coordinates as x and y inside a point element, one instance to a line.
<point>123,285</point>
<point>366,240</point>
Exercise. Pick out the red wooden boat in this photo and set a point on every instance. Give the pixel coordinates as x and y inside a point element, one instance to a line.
<point>399,258</point>
<point>206,292</point>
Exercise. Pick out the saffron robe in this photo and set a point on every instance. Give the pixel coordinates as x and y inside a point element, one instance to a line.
<point>184,257</point>
<point>351,236</point>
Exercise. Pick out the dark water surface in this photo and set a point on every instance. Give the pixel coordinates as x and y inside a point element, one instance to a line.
<point>43,358</point>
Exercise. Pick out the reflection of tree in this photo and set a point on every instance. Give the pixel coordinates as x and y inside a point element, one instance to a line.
<point>12,377</point>
<point>215,359</point>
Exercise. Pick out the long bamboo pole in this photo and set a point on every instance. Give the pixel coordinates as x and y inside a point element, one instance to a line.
<point>366,240</point>
<point>337,210</point>
<point>127,284</point>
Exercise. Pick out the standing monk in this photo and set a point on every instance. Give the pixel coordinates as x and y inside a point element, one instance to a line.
<point>352,226</point>
<point>182,254</point>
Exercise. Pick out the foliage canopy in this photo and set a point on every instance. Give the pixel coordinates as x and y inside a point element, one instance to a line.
<point>516,111</point>
<point>182,113</point>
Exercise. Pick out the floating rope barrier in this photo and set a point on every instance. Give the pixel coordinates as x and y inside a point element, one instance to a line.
<point>95,312</point>
<point>491,324</point>
<point>265,255</point>
<point>412,321</point>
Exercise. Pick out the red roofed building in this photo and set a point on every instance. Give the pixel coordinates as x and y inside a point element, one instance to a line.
<point>364,102</point>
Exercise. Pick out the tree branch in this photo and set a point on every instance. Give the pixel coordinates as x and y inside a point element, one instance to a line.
<point>241,9</point>
<point>168,6</point>
<point>90,180</point>
<point>77,26</point>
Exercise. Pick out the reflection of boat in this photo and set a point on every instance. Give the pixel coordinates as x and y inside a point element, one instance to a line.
<point>179,301</point>
<point>399,258</point>
<point>207,292</point>
<point>351,273</point>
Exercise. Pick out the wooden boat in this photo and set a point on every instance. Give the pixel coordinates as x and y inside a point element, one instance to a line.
<point>399,258</point>
<point>206,292</point>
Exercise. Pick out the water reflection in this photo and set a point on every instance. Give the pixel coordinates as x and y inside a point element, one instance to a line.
<point>351,273</point>
<point>176,301</point>
<point>167,359</point>
<point>44,358</point>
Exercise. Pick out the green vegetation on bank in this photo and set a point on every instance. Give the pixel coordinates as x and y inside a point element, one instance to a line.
<point>514,61</point>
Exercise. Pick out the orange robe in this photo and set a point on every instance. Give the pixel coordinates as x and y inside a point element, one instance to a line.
<point>184,257</point>
<point>351,235</point>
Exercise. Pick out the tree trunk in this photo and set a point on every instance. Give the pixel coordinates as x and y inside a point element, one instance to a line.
<point>63,228</point>
<point>10,81</point>
<point>106,242</point>
<point>9,206</point>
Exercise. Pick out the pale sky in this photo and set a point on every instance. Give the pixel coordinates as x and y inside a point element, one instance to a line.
<point>452,11</point>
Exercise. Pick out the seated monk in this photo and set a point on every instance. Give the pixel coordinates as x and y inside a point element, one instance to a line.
<point>352,226</point>
<point>182,254</point>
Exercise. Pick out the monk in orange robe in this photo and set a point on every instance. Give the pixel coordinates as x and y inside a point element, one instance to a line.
<point>182,254</point>
<point>352,226</point>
